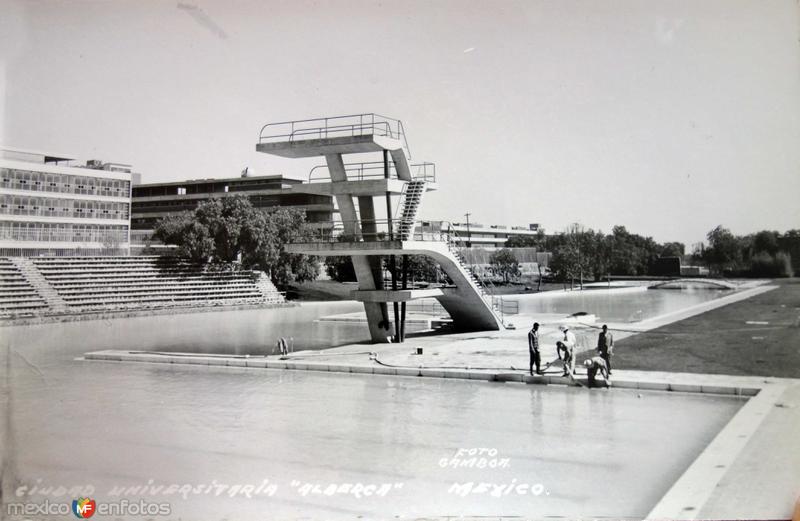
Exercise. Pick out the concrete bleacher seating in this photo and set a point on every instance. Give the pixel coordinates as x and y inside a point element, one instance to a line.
<point>17,295</point>
<point>145,282</point>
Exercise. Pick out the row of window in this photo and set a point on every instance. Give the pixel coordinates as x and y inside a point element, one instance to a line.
<point>52,232</point>
<point>258,200</point>
<point>51,207</point>
<point>63,183</point>
<point>206,188</point>
<point>169,205</point>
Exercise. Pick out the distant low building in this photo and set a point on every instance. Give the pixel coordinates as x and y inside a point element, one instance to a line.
<point>694,271</point>
<point>478,235</point>
<point>50,206</point>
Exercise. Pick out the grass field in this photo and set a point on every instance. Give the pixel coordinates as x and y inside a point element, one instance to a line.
<point>759,336</point>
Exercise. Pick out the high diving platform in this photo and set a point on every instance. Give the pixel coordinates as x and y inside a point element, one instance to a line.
<point>370,232</point>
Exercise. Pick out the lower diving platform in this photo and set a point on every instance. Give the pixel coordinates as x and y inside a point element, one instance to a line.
<point>469,307</point>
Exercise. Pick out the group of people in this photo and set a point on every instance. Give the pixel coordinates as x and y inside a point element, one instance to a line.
<point>565,349</point>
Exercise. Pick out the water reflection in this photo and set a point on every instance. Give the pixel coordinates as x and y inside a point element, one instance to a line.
<point>625,306</point>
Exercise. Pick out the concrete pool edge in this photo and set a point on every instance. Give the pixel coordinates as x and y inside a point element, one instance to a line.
<point>87,316</point>
<point>702,307</point>
<point>685,382</point>
<point>690,493</point>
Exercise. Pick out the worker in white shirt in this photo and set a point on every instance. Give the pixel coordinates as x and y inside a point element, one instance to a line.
<point>567,346</point>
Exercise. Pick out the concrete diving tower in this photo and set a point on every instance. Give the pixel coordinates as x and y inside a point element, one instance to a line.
<point>365,237</point>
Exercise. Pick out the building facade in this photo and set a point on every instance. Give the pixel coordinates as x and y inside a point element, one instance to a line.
<point>478,235</point>
<point>151,202</point>
<point>48,206</point>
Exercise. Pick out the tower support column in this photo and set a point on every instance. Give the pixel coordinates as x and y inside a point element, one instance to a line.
<point>367,269</point>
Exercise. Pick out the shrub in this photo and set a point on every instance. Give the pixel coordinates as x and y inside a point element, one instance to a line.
<point>765,265</point>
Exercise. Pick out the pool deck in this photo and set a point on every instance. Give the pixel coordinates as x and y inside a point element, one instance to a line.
<point>750,470</point>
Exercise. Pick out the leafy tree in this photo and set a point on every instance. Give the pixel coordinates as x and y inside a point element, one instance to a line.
<point>765,265</point>
<point>340,268</point>
<point>285,226</point>
<point>504,263</point>
<point>624,255</point>
<point>192,238</point>
<point>723,249</point>
<point>572,259</point>
<point>673,249</point>
<point>527,241</point>
<point>633,254</point>
<point>231,228</point>
<point>766,241</point>
<point>421,268</point>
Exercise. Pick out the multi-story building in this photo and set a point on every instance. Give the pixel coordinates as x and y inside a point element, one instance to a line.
<point>478,235</point>
<point>153,201</point>
<point>48,206</point>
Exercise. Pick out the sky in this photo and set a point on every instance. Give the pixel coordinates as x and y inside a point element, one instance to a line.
<point>669,117</point>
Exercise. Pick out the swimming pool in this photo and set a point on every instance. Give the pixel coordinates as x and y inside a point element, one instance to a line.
<point>616,305</point>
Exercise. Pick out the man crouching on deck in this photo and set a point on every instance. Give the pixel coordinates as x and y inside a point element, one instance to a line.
<point>593,365</point>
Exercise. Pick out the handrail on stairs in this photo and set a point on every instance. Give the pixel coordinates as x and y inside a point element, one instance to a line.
<point>403,202</point>
<point>496,302</point>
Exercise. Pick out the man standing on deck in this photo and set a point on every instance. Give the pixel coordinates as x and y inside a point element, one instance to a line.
<point>533,349</point>
<point>605,346</point>
<point>567,345</point>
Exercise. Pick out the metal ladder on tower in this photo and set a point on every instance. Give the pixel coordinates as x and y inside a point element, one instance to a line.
<point>412,197</point>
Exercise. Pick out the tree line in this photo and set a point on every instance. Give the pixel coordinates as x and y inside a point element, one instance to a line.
<point>581,252</point>
<point>585,253</point>
<point>231,229</point>
<point>762,254</point>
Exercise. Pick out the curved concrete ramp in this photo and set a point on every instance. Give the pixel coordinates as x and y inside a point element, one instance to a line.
<point>717,283</point>
<point>468,308</point>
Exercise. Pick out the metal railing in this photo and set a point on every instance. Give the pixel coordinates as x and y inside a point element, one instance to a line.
<point>336,231</point>
<point>426,307</point>
<point>374,170</point>
<point>336,126</point>
<point>63,235</point>
<point>495,302</point>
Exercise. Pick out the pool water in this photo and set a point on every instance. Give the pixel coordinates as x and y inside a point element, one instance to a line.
<point>621,305</point>
<point>112,425</point>
<point>257,331</point>
<point>118,426</point>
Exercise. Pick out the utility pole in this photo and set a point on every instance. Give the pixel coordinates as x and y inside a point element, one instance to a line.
<point>469,243</point>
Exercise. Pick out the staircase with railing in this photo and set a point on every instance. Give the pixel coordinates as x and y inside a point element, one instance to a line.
<point>454,242</point>
<point>409,207</point>
<point>495,302</point>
